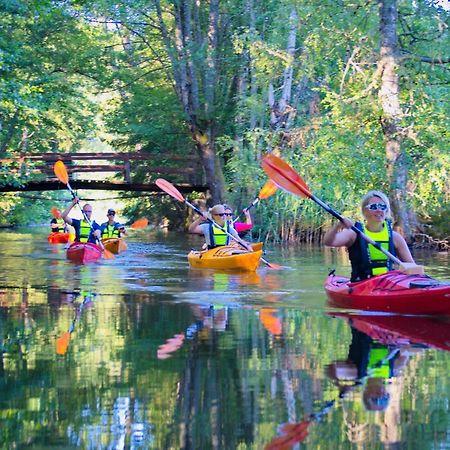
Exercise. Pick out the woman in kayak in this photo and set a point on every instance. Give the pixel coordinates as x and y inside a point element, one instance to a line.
<point>366,260</point>
<point>240,227</point>
<point>215,236</point>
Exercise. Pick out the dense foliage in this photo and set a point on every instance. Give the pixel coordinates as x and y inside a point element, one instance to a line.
<point>230,81</point>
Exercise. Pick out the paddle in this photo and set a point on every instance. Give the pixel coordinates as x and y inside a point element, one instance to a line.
<point>61,173</point>
<point>62,343</point>
<point>289,180</point>
<point>266,191</point>
<point>170,189</point>
<point>139,224</point>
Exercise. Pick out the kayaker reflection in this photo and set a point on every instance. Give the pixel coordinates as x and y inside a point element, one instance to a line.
<point>242,228</point>
<point>209,318</point>
<point>84,232</point>
<point>366,260</point>
<point>371,364</point>
<point>111,228</point>
<point>214,236</point>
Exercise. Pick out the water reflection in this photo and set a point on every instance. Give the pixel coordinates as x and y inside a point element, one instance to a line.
<point>161,356</point>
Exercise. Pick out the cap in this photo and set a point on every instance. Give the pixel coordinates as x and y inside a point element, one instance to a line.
<point>111,211</point>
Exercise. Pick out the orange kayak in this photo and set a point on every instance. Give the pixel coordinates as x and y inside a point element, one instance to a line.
<point>115,245</point>
<point>58,238</point>
<point>227,257</point>
<point>83,252</point>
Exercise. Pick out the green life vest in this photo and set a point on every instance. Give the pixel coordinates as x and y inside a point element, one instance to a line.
<point>85,231</point>
<point>379,364</point>
<point>377,258</point>
<point>61,225</point>
<point>218,237</point>
<point>110,231</point>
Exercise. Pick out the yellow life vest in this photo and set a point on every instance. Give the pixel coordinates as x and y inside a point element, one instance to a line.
<point>378,258</point>
<point>85,231</point>
<point>110,231</point>
<point>220,237</point>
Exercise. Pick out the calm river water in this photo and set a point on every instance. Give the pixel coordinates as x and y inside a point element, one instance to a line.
<point>142,352</point>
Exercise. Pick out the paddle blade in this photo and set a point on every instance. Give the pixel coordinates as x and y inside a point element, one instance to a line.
<point>62,343</point>
<point>267,190</point>
<point>169,188</point>
<point>61,172</point>
<point>107,254</point>
<point>272,265</point>
<point>56,213</point>
<point>140,223</point>
<point>284,176</point>
<point>291,435</point>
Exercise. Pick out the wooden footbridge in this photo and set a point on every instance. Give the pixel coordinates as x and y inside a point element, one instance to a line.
<point>184,171</point>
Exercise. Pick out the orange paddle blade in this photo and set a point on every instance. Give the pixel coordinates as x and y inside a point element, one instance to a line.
<point>140,223</point>
<point>61,172</point>
<point>268,189</point>
<point>56,213</point>
<point>292,434</point>
<point>169,188</point>
<point>62,343</point>
<point>107,254</point>
<point>284,176</point>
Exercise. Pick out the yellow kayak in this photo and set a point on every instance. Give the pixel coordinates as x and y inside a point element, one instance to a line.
<point>228,257</point>
<point>115,245</point>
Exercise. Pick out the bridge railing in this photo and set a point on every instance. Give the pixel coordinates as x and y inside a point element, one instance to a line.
<point>185,168</point>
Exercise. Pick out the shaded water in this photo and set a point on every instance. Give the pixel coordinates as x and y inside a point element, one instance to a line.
<point>141,352</point>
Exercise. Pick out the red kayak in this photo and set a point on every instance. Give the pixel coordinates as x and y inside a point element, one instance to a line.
<point>83,252</point>
<point>403,330</point>
<point>393,292</point>
<point>58,238</point>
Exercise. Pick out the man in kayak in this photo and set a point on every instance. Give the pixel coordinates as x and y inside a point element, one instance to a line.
<point>241,227</point>
<point>215,236</point>
<point>111,228</point>
<point>84,232</point>
<point>365,259</point>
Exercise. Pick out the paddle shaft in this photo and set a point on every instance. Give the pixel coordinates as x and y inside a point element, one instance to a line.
<point>249,207</point>
<point>356,230</point>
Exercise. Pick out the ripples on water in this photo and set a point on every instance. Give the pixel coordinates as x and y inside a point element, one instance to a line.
<point>143,352</point>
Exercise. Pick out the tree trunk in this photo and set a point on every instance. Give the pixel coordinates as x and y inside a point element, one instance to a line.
<point>397,169</point>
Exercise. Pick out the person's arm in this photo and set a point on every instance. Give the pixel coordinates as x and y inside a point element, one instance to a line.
<point>122,230</point>
<point>195,227</point>
<point>340,235</point>
<point>402,249</point>
<point>96,230</point>
<point>248,217</point>
<point>65,213</point>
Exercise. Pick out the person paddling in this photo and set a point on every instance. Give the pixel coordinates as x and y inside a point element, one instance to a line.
<point>111,228</point>
<point>241,227</point>
<point>215,236</point>
<point>366,260</point>
<point>84,232</point>
<point>57,224</point>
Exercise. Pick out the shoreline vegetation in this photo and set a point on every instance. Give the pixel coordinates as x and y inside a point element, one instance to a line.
<point>352,104</point>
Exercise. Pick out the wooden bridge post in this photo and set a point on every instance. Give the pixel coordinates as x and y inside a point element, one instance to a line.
<point>127,170</point>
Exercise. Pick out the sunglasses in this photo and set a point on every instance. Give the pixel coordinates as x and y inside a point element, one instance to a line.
<point>111,214</point>
<point>221,214</point>
<point>87,210</point>
<point>377,206</point>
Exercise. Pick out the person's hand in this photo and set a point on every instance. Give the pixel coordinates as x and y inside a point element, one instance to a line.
<point>75,200</point>
<point>346,222</point>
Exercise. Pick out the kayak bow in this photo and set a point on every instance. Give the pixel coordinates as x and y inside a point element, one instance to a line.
<point>83,252</point>
<point>58,238</point>
<point>393,292</point>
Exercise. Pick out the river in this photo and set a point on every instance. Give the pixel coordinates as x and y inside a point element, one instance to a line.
<point>142,352</point>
